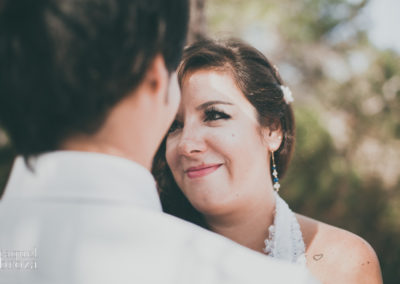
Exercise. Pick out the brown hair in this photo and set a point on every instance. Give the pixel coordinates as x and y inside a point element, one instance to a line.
<point>258,80</point>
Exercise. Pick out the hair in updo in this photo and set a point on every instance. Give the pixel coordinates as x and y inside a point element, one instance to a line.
<point>260,83</point>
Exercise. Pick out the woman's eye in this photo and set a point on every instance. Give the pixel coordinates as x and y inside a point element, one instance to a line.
<point>175,125</point>
<point>213,114</point>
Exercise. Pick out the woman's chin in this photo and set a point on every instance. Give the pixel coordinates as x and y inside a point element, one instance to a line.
<point>211,208</point>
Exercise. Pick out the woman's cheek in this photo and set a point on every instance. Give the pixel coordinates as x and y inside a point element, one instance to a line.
<point>170,155</point>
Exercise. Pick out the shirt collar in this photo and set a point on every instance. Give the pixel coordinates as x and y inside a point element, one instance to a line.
<point>83,177</point>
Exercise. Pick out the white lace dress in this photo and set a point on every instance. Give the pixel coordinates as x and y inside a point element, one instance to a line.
<point>285,240</point>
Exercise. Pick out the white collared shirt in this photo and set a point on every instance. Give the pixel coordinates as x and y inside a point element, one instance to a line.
<point>82,217</point>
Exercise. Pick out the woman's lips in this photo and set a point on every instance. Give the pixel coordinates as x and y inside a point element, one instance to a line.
<point>196,172</point>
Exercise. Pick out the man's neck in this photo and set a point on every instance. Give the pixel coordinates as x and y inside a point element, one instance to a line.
<point>128,132</point>
<point>86,144</point>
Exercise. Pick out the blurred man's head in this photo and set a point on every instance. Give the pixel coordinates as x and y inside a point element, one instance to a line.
<point>66,65</point>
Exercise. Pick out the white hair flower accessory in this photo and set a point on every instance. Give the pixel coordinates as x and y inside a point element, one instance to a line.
<point>287,94</point>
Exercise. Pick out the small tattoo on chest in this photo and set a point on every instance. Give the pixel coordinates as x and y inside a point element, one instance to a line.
<point>365,263</point>
<point>317,257</point>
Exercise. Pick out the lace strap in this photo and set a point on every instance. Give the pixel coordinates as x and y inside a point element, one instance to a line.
<point>285,239</point>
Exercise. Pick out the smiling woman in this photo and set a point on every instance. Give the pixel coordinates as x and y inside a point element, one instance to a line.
<point>218,166</point>
<point>216,124</point>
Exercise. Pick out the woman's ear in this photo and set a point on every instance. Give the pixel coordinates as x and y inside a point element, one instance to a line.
<point>272,137</point>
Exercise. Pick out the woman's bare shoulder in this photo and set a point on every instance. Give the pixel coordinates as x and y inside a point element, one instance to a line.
<point>335,255</point>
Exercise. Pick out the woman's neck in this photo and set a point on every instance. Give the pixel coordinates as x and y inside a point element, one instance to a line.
<point>249,226</point>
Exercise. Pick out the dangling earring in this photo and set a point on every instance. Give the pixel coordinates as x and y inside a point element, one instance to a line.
<point>275,174</point>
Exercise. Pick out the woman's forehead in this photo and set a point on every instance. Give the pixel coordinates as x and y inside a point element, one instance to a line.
<point>211,85</point>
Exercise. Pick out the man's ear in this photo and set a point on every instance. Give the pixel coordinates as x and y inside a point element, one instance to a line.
<point>156,78</point>
<point>272,137</point>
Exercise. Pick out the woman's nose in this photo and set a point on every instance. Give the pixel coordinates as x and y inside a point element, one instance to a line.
<point>191,142</point>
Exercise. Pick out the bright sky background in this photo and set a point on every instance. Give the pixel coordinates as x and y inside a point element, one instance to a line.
<point>385,23</point>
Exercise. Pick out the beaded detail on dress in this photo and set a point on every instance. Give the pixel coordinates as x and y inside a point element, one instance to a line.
<point>285,240</point>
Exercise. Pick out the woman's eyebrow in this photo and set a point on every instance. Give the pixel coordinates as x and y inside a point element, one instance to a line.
<point>207,104</point>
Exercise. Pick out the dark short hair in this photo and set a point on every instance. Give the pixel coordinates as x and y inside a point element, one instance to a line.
<point>261,84</point>
<point>65,64</point>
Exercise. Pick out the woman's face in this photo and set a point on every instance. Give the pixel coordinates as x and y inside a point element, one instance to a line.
<point>215,148</point>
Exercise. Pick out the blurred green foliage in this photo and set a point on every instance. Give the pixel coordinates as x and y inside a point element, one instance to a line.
<point>346,166</point>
